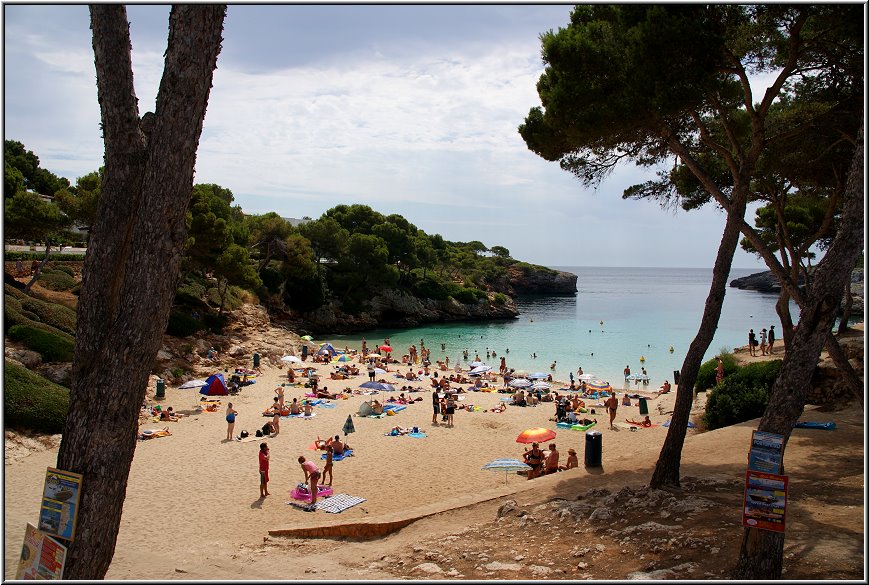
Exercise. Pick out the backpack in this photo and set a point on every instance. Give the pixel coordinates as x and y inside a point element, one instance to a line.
<point>244,434</point>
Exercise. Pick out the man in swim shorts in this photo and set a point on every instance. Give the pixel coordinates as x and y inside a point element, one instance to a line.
<point>263,470</point>
<point>612,404</point>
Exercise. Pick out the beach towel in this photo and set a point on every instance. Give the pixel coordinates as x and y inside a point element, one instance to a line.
<point>394,407</point>
<point>417,435</point>
<point>690,424</point>
<point>642,426</point>
<point>337,503</point>
<point>381,415</point>
<point>826,426</point>
<point>336,457</point>
<point>312,415</point>
<point>326,405</point>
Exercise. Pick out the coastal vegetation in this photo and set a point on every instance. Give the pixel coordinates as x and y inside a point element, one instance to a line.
<point>676,94</point>
<point>32,402</point>
<point>742,395</point>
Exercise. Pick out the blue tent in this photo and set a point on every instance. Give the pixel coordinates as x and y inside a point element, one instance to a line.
<point>327,348</point>
<point>214,386</point>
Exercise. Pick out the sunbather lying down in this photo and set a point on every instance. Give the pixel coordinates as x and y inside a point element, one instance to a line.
<point>397,430</point>
<point>154,433</point>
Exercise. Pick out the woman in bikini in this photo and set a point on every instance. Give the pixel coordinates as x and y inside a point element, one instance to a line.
<point>328,467</point>
<point>312,476</point>
<point>534,458</point>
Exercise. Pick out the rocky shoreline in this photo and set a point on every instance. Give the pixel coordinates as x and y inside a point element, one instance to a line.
<point>767,282</point>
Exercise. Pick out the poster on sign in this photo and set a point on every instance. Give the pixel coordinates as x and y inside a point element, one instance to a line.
<point>42,557</point>
<point>59,509</point>
<point>766,452</point>
<point>765,501</point>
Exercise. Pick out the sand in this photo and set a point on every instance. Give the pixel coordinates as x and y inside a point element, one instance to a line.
<point>193,497</point>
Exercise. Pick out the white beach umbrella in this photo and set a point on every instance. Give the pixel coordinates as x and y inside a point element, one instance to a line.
<point>519,383</point>
<point>481,369</point>
<point>476,363</point>
<point>540,386</point>
<point>586,377</point>
<point>292,359</point>
<point>192,384</point>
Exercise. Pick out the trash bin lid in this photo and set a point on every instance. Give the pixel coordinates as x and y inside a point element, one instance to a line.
<point>591,433</point>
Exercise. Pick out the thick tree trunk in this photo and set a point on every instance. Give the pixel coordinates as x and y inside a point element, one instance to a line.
<point>761,551</point>
<point>837,354</point>
<point>847,305</point>
<point>666,471</point>
<point>133,261</point>
<point>783,310</point>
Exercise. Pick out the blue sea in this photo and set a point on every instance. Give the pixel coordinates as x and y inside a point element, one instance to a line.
<point>618,317</point>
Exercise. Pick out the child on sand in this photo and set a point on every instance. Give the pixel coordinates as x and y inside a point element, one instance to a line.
<point>263,470</point>
<point>328,467</point>
<point>572,460</point>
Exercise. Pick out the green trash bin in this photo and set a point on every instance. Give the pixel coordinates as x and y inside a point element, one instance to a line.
<point>255,359</point>
<point>644,406</point>
<point>161,388</point>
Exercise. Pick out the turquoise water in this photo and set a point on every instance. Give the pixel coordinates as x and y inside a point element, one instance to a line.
<point>644,311</point>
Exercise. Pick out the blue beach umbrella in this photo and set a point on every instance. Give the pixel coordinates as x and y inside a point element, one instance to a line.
<point>506,465</point>
<point>381,386</point>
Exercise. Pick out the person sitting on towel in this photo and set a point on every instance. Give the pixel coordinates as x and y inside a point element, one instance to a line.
<point>646,422</point>
<point>376,407</point>
<point>324,393</point>
<point>338,446</point>
<point>169,414</point>
<point>295,407</point>
<point>308,409</point>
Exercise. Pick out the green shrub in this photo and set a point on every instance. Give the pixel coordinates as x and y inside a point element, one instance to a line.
<point>12,256</point>
<point>52,348</point>
<point>177,372</point>
<point>14,317</point>
<point>500,299</point>
<point>706,374</point>
<point>32,402</point>
<point>742,395</point>
<point>190,293</point>
<point>11,291</point>
<point>430,288</point>
<point>63,268</point>
<point>182,325</point>
<point>56,280</point>
<point>53,314</point>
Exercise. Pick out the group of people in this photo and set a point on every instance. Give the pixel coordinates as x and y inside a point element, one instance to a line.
<point>765,344</point>
<point>542,463</point>
<point>445,406</point>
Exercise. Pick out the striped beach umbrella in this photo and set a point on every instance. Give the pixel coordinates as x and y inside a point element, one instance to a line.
<point>343,358</point>
<point>506,465</point>
<point>519,383</point>
<point>599,386</point>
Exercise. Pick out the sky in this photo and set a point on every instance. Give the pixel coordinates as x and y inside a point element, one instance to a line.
<point>410,109</point>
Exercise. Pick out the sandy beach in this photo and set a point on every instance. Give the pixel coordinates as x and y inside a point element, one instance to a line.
<point>193,497</point>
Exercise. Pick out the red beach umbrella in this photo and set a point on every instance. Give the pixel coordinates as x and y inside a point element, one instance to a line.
<point>538,435</point>
<point>386,348</point>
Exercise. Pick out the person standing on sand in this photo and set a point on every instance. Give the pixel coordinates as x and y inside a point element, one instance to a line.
<point>263,470</point>
<point>436,406</point>
<point>328,467</point>
<point>612,404</point>
<point>719,370</point>
<point>230,420</point>
<point>752,343</point>
<point>312,475</point>
<point>771,338</point>
<point>763,341</point>
<point>280,392</point>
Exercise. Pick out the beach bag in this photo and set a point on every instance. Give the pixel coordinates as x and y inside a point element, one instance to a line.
<point>259,433</point>
<point>244,434</point>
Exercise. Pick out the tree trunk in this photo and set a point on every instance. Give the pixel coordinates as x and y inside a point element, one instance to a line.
<point>847,305</point>
<point>760,555</point>
<point>783,309</point>
<point>133,262</point>
<point>666,471</point>
<point>843,365</point>
<point>39,268</point>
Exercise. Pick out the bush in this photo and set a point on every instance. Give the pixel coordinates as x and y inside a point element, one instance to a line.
<point>53,314</point>
<point>430,288</point>
<point>742,395</point>
<point>63,268</point>
<point>13,256</point>
<point>52,348</point>
<point>182,324</point>
<point>32,402</point>
<point>190,293</point>
<point>500,299</point>
<point>706,374</point>
<point>15,317</point>
<point>56,280</point>
<point>468,296</point>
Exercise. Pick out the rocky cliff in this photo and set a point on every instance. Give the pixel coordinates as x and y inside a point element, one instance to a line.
<point>526,279</point>
<point>767,282</point>
<point>393,308</point>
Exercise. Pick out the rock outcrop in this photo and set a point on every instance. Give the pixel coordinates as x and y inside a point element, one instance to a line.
<point>525,279</point>
<point>767,282</point>
<point>394,308</point>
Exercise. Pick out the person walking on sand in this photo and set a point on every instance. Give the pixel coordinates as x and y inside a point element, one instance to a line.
<point>263,470</point>
<point>436,404</point>
<point>612,404</point>
<point>312,475</point>
<point>752,343</point>
<point>230,420</point>
<point>763,341</point>
<point>771,338</point>
<point>328,467</point>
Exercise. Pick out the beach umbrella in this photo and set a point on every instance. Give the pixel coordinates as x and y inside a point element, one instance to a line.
<point>519,383</point>
<point>381,386</point>
<point>193,384</point>
<point>536,435</point>
<point>537,376</point>
<point>476,363</point>
<point>386,348</point>
<point>506,465</point>
<point>343,358</point>
<point>348,426</point>
<point>520,373</point>
<point>540,386</point>
<point>586,377</point>
<point>480,370</point>
<point>379,371</point>
<point>307,338</point>
<point>374,355</point>
<point>599,386</point>
<point>292,359</point>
